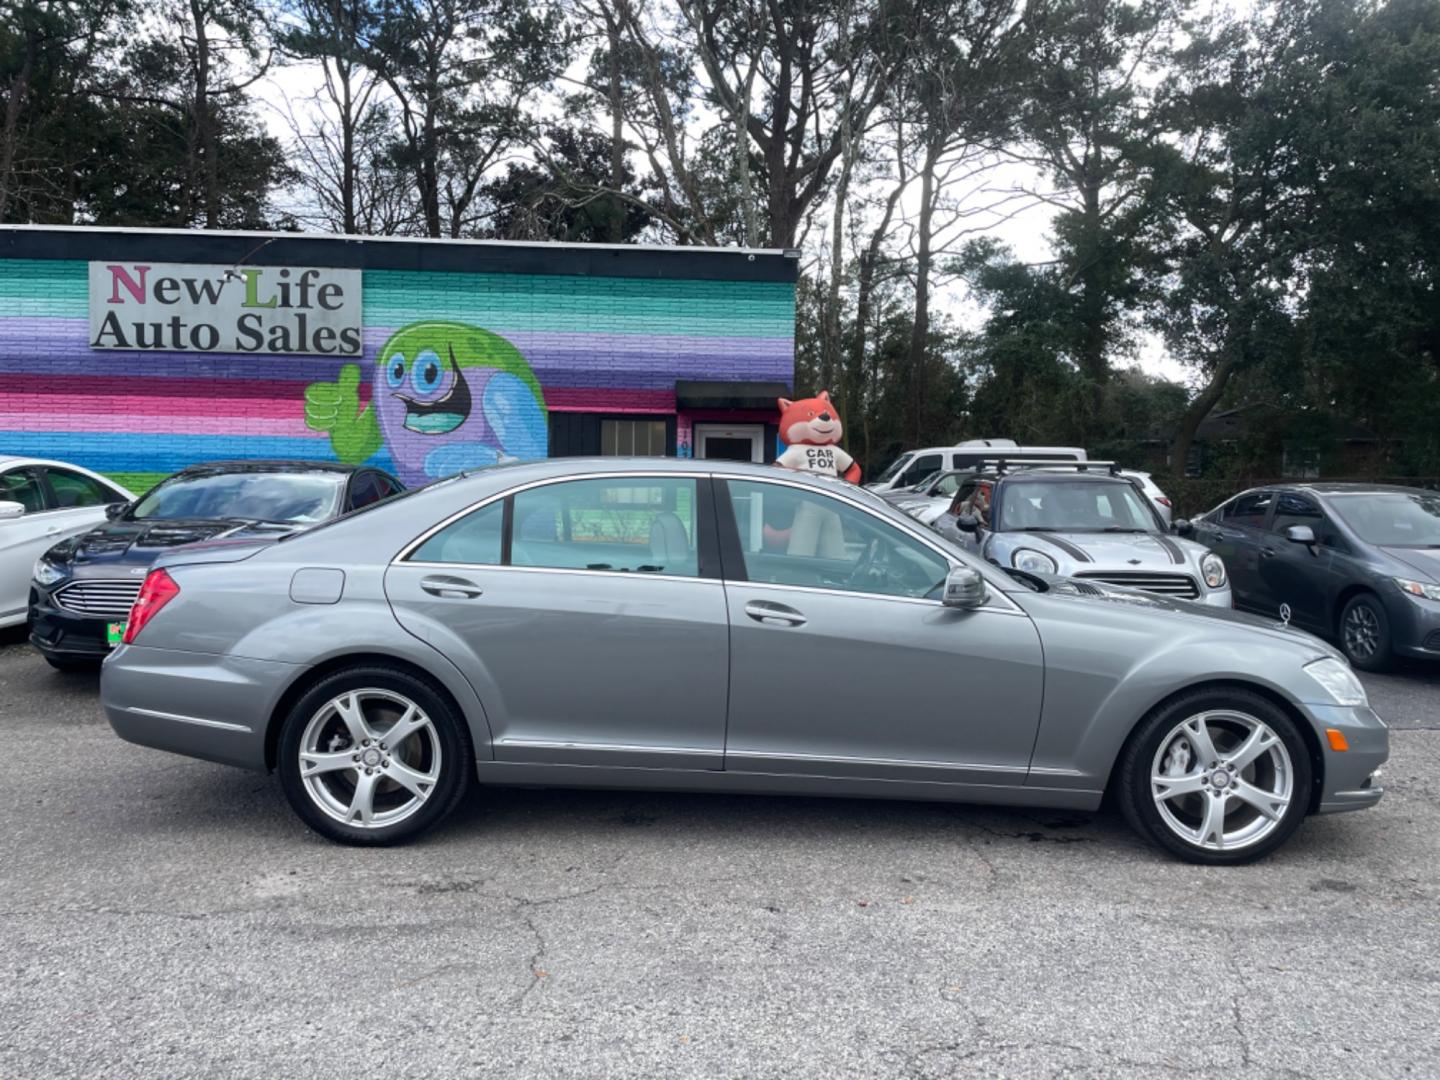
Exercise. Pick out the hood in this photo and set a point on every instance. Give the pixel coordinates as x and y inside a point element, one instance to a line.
<point>1424,560</point>
<point>1095,592</point>
<point>1109,551</point>
<point>138,542</point>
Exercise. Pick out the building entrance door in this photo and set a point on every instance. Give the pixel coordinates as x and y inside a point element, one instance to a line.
<point>740,442</point>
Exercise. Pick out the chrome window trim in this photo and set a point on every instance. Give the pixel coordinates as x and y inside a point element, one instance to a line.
<point>923,601</point>
<point>1005,604</point>
<point>497,568</point>
<point>480,504</point>
<point>901,527</point>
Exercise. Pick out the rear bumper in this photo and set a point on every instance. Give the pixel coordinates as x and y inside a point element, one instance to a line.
<point>212,707</point>
<point>1351,781</point>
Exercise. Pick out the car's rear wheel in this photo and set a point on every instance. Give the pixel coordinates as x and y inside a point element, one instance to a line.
<point>1216,776</point>
<point>1365,633</point>
<point>374,755</point>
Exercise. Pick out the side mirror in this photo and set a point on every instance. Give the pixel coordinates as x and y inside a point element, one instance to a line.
<point>10,510</point>
<point>967,523</point>
<point>1182,527</point>
<point>1300,534</point>
<point>115,510</point>
<point>964,588</point>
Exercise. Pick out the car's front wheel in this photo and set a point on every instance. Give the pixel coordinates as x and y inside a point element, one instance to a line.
<point>374,755</point>
<point>1365,633</point>
<point>1216,776</point>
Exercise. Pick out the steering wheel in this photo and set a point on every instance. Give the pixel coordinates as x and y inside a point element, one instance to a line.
<point>868,567</point>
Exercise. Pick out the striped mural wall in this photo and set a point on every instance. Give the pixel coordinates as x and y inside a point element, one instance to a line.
<point>596,344</point>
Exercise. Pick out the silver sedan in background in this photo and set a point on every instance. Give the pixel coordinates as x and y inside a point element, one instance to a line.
<point>713,626</point>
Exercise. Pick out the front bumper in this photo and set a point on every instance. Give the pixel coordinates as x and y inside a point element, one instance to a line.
<point>197,704</point>
<point>1217,597</point>
<point>1349,780</point>
<point>64,635</point>
<point>1414,625</point>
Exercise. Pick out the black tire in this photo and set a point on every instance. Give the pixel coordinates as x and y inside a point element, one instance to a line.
<point>66,664</point>
<point>1132,786</point>
<point>1364,633</point>
<point>456,768</point>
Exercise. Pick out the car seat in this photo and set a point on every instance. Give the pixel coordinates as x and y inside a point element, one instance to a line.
<point>669,542</point>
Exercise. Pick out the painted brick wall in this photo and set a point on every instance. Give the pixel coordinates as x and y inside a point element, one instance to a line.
<point>595,344</point>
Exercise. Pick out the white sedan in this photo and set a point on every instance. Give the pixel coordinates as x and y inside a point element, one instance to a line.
<point>42,502</point>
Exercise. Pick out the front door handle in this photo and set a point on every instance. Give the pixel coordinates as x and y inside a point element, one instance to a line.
<point>763,611</point>
<point>452,587</point>
<point>1267,553</point>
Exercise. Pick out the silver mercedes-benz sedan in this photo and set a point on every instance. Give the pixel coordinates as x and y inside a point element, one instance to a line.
<point>713,626</point>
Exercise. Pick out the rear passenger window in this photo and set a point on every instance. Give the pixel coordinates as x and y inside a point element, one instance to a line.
<point>636,525</point>
<point>474,539</point>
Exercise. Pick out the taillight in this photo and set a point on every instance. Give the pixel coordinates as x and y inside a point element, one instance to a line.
<point>1163,501</point>
<point>157,591</point>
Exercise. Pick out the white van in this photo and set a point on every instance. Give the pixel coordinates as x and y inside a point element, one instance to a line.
<point>915,465</point>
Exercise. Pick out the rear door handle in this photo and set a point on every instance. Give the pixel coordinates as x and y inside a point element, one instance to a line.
<point>763,611</point>
<point>452,587</point>
<point>1267,553</point>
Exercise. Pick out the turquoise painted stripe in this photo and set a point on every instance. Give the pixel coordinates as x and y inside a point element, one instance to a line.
<point>518,302</point>
<point>115,452</point>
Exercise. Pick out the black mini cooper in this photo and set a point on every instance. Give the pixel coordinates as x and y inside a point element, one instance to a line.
<point>84,586</point>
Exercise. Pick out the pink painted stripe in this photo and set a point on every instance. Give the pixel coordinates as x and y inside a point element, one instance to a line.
<point>217,404</point>
<point>156,424</point>
<point>586,399</point>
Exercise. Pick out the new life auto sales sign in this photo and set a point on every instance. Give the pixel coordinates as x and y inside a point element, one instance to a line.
<point>198,307</point>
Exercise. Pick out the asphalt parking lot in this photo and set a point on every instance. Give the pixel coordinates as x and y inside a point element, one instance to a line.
<point>165,917</point>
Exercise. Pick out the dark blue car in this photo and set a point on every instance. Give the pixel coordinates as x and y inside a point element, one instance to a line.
<point>84,586</point>
<point>1357,563</point>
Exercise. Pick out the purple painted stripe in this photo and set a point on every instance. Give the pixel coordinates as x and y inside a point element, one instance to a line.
<point>64,340</point>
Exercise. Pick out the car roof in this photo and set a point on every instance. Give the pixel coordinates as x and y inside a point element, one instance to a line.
<point>210,468</point>
<point>1338,487</point>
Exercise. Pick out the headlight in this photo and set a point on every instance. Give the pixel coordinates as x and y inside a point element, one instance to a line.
<point>47,573</point>
<point>1036,562</point>
<point>1419,588</point>
<point>1212,567</point>
<point>1338,680</point>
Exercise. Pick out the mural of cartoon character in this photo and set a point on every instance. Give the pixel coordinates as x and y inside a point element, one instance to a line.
<point>445,397</point>
<point>811,429</point>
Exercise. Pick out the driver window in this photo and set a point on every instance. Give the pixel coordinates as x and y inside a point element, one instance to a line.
<point>789,536</point>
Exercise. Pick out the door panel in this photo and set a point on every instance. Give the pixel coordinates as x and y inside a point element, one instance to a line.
<point>581,668</point>
<point>1235,532</point>
<point>844,663</point>
<point>23,539</point>
<point>589,617</point>
<point>1296,574</point>
<point>852,685</point>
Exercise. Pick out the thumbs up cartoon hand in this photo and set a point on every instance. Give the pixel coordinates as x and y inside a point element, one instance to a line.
<point>335,408</point>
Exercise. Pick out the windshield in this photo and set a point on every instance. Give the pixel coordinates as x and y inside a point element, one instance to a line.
<point>1392,519</point>
<point>896,467</point>
<point>1075,506</point>
<point>291,498</point>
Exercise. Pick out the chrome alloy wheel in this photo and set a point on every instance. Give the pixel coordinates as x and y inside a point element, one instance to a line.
<point>1222,780</point>
<point>1362,632</point>
<point>370,758</point>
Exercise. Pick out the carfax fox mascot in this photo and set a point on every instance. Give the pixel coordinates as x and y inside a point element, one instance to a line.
<point>812,429</point>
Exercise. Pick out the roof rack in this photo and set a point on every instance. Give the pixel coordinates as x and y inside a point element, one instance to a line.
<point>1004,465</point>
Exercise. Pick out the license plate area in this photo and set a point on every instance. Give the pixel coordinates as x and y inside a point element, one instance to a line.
<point>114,633</point>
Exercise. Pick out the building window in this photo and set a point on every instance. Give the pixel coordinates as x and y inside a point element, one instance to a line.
<point>632,438</point>
<point>1300,463</point>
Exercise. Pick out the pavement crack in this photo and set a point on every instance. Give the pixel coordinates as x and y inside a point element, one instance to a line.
<point>1242,987</point>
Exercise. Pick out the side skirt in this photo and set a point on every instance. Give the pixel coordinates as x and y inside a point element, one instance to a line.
<point>524,774</point>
